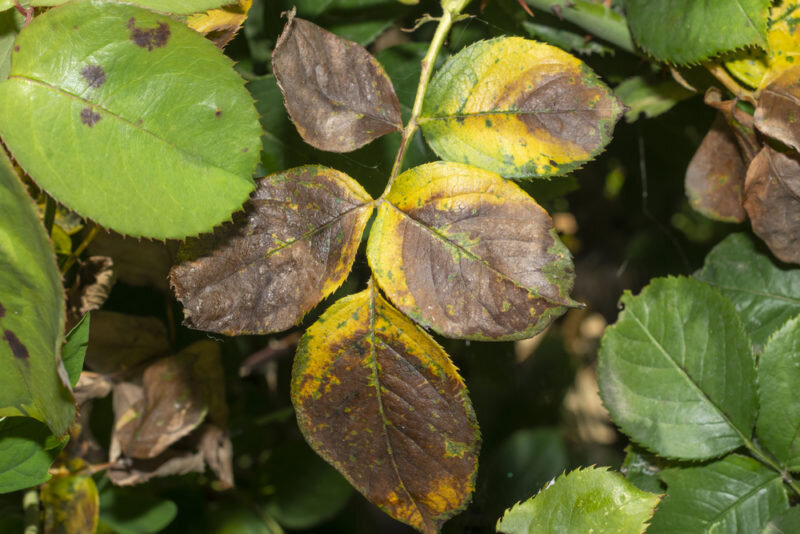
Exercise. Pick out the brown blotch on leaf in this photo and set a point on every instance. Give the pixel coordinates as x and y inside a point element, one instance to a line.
<point>94,75</point>
<point>16,48</point>
<point>740,122</point>
<point>245,149</point>
<point>218,113</point>
<point>2,311</point>
<point>151,37</point>
<point>18,349</point>
<point>89,117</point>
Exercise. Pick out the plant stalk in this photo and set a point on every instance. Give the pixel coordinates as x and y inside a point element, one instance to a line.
<point>30,506</point>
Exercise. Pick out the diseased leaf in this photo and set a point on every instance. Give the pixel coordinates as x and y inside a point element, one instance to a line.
<point>167,6</point>
<point>735,494</point>
<point>715,177</point>
<point>220,25</point>
<point>765,295</point>
<point>74,350</point>
<point>778,423</point>
<point>772,201</point>
<point>686,31</point>
<point>378,399</point>
<point>118,342</point>
<point>676,371</point>
<point>586,500</point>
<point>778,113</point>
<point>71,504</point>
<point>33,382</point>
<point>518,108</point>
<point>741,123</point>
<point>338,95</point>
<point>648,97</point>
<point>11,22</point>
<point>292,247</point>
<point>93,282</point>
<point>786,523</point>
<point>27,449</point>
<point>96,77</point>
<point>468,254</point>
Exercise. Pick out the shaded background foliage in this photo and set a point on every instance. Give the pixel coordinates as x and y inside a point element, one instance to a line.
<point>624,216</point>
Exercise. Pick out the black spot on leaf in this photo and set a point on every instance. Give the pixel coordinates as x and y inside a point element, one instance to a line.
<point>94,75</point>
<point>89,117</point>
<point>17,348</point>
<point>218,113</point>
<point>149,38</point>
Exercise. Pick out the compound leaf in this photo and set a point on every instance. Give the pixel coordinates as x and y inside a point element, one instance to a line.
<point>772,201</point>
<point>585,500</point>
<point>686,31</point>
<point>338,95</point>
<point>765,295</point>
<point>27,449</point>
<point>33,382</point>
<point>778,423</point>
<point>293,246</point>
<point>130,119</point>
<point>676,371</point>
<point>468,254</point>
<point>377,398</point>
<point>735,494</point>
<point>518,108</point>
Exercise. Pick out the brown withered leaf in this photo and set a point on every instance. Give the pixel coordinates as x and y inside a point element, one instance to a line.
<point>118,341</point>
<point>91,386</point>
<point>173,400</point>
<point>217,449</point>
<point>741,123</point>
<point>772,200</point>
<point>778,112</point>
<point>128,472</point>
<point>338,95</point>
<point>379,400</point>
<point>715,177</point>
<point>292,247</point>
<point>469,254</point>
<point>91,288</point>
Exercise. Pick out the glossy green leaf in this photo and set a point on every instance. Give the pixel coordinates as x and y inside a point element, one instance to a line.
<point>786,523</point>
<point>735,494</point>
<point>518,108</point>
<point>462,251</point>
<point>33,382</point>
<point>27,449</point>
<point>135,511</point>
<point>676,371</point>
<point>778,423</point>
<point>377,398</point>
<point>167,6</point>
<point>74,350</point>
<point>586,500</point>
<point>765,295</point>
<point>687,31</point>
<point>119,125</point>
<point>642,469</point>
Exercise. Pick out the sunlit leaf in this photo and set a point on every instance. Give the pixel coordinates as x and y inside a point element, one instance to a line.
<point>27,449</point>
<point>715,177</point>
<point>736,494</point>
<point>167,6</point>
<point>220,25</point>
<point>468,254</point>
<point>778,113</point>
<point>378,399</point>
<point>337,94</point>
<point>676,371</point>
<point>71,504</point>
<point>772,201</point>
<point>130,119</point>
<point>518,108</point>
<point>10,23</point>
<point>686,31</point>
<point>586,500</point>
<point>293,246</point>
<point>33,382</point>
<point>778,423</point>
<point>765,295</point>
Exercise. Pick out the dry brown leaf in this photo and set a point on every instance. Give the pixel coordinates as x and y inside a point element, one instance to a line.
<point>96,277</point>
<point>118,342</point>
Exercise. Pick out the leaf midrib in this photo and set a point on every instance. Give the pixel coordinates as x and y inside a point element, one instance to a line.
<point>741,499</point>
<point>757,293</point>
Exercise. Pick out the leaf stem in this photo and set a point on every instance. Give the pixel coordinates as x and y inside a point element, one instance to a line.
<point>79,250</point>
<point>49,213</point>
<point>30,506</point>
<point>719,72</point>
<point>451,12</point>
<point>764,458</point>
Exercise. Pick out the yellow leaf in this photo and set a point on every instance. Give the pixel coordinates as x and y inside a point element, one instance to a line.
<point>220,25</point>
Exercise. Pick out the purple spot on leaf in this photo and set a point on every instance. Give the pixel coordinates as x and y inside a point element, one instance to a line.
<point>89,117</point>
<point>17,348</point>
<point>149,38</point>
<point>94,75</point>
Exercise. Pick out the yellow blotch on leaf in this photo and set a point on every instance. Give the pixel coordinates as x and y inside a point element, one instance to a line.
<point>220,25</point>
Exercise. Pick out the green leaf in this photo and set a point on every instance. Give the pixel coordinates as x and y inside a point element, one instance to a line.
<point>27,449</point>
<point>10,23</point>
<point>294,245</point>
<point>183,7</point>
<point>676,371</point>
<point>74,350</point>
<point>778,423</point>
<point>379,400</point>
<point>363,32</point>
<point>687,31</point>
<point>269,103</point>
<point>133,511</point>
<point>33,382</point>
<point>765,295</point>
<point>785,523</point>
<point>642,469</point>
<point>650,98</point>
<point>735,494</point>
<point>106,111</point>
<point>585,500</point>
<point>518,108</point>
<point>462,251</point>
